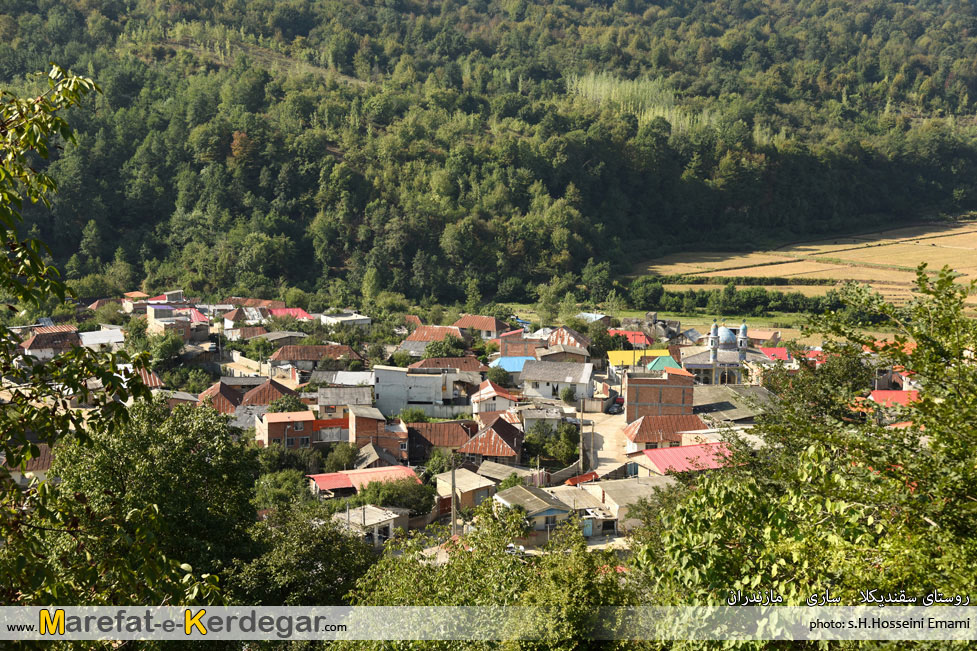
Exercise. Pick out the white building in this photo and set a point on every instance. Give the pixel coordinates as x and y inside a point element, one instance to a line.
<point>549,379</point>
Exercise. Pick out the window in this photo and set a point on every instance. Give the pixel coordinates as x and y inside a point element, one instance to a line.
<point>651,446</point>
<point>550,520</point>
<point>304,442</point>
<point>403,446</point>
<point>289,442</point>
<point>674,444</point>
<point>299,427</point>
<point>535,385</point>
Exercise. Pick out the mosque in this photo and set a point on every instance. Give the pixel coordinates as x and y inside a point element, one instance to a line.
<point>724,357</point>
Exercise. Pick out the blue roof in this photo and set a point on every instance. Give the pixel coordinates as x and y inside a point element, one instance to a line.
<point>511,364</point>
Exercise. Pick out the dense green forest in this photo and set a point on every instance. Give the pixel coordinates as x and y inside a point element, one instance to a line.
<point>459,150</point>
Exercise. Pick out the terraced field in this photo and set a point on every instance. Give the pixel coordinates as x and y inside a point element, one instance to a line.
<point>885,260</point>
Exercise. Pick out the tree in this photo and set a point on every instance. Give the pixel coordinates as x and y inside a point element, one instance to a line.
<point>597,278</point>
<point>403,493</point>
<point>568,307</point>
<point>341,457</point>
<point>510,481</point>
<point>500,376</point>
<point>548,303</point>
<point>402,359</point>
<point>450,346</point>
<point>568,395</point>
<point>837,499</point>
<point>440,461</point>
<point>305,558</point>
<point>164,349</point>
<point>412,415</point>
<point>645,293</point>
<point>186,463</point>
<point>371,286</point>
<point>275,458</point>
<point>287,403</point>
<point>47,531</point>
<point>275,490</point>
<point>564,446</point>
<point>535,440</point>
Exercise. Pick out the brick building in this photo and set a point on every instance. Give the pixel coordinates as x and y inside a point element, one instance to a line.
<point>657,393</point>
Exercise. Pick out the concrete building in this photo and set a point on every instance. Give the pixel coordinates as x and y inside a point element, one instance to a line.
<point>549,379</point>
<point>657,393</point>
<point>375,524</point>
<point>724,357</point>
<point>440,393</point>
<point>471,489</point>
<point>345,318</point>
<point>618,495</point>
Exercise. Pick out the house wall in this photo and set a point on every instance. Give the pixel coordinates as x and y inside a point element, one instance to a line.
<point>649,396</point>
<point>538,521</point>
<point>545,389</point>
<point>516,346</point>
<point>496,403</point>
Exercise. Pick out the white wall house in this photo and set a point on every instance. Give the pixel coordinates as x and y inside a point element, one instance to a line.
<point>549,379</point>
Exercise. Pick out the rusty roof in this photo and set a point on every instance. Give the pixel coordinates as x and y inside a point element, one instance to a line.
<point>266,393</point>
<point>224,397</point>
<point>298,353</point>
<point>253,302</point>
<point>466,363</point>
<point>40,463</point>
<point>60,340</point>
<point>477,322</point>
<point>499,439</point>
<point>656,429</point>
<point>430,333</point>
<point>451,434</point>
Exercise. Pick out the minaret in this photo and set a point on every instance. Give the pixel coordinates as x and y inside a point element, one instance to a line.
<point>742,342</point>
<point>714,342</point>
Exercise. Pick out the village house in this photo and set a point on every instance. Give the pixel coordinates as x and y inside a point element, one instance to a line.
<point>349,482</point>
<point>177,398</point>
<point>374,524</point>
<point>549,379</point>
<point>225,396</point>
<point>296,313</point>
<point>531,415</point>
<point>596,518</point>
<point>345,319</point>
<point>367,425</point>
<point>636,338</point>
<point>245,316</point>
<point>246,333</point>
<point>334,402</point>
<point>439,393</point>
<point>543,511</point>
<point>35,468</point>
<point>448,436</point>
<point>47,342</point>
<point>499,472</point>
<point>657,393</point>
<point>684,458</point>
<point>281,338</point>
<point>162,320</point>
<point>373,456</point>
<point>491,397</point>
<point>516,344</point>
<point>306,358</point>
<point>594,317</point>
<point>293,429</point>
<point>620,494</point>
<point>568,337</point>
<point>563,353</point>
<point>468,363</point>
<point>499,441</point>
<point>651,432</point>
<point>486,327</point>
<point>417,341</point>
<point>238,301</point>
<point>106,340</point>
<point>730,404</point>
<point>471,489</point>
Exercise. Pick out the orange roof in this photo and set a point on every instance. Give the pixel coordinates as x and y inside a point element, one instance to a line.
<point>313,353</point>
<point>476,322</point>
<point>266,393</point>
<point>879,344</point>
<point>357,479</point>
<point>136,295</point>
<point>412,319</point>
<point>890,398</point>
<point>434,333</point>
<point>289,416</point>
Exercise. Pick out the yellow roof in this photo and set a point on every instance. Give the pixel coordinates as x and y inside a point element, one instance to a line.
<point>633,357</point>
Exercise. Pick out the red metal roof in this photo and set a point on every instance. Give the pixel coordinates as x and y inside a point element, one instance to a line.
<point>634,337</point>
<point>196,316</point>
<point>776,353</point>
<point>434,333</point>
<point>656,429</point>
<point>706,456</point>
<point>359,478</point>
<point>313,353</point>
<point>224,398</point>
<point>157,299</point>
<point>296,312</point>
<point>500,439</point>
<point>149,378</point>
<point>55,329</point>
<point>579,479</point>
<point>452,434</point>
<point>889,398</point>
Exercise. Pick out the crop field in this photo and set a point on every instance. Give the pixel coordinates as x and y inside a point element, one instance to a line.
<point>885,260</point>
<point>807,290</point>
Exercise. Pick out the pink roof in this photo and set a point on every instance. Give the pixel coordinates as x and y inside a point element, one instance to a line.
<point>488,390</point>
<point>779,352</point>
<point>706,456</point>
<point>634,337</point>
<point>158,299</point>
<point>359,478</point>
<point>518,331</point>
<point>890,398</point>
<point>296,312</point>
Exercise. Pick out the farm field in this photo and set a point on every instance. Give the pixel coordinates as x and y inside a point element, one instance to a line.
<point>807,290</point>
<point>885,260</point>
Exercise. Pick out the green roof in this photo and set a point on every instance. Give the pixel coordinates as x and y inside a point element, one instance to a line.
<point>661,363</point>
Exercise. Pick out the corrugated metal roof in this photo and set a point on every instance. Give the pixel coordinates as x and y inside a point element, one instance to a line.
<point>776,353</point>
<point>266,393</point>
<point>500,439</point>
<point>707,456</point>
<point>451,434</point>
<point>511,364</point>
<point>634,337</point>
<point>656,429</point>
<point>483,323</point>
<point>295,312</point>
<point>467,363</point>
<point>359,478</point>
<point>429,333</point>
<point>300,353</point>
<point>52,329</point>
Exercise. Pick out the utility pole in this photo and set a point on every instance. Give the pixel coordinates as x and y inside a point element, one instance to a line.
<point>453,511</point>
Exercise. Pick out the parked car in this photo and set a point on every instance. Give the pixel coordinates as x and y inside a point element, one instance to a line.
<point>615,409</point>
<point>619,400</point>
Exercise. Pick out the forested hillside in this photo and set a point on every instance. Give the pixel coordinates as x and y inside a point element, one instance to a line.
<point>480,148</point>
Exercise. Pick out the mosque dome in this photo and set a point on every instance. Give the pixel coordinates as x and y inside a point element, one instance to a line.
<point>726,337</point>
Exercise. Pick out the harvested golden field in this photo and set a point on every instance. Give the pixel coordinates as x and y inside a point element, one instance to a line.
<point>807,290</point>
<point>697,264</point>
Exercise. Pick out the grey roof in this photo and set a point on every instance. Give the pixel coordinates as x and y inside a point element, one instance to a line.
<point>366,412</point>
<point>370,453</point>
<point>533,500</point>
<point>723,356</point>
<point>365,516</point>
<point>244,416</point>
<point>415,348</point>
<point>572,372</point>
<point>692,334</point>
<point>281,334</point>
<point>101,337</point>
<point>345,396</point>
<point>499,471</point>
<point>730,402</point>
<point>629,491</point>
<point>343,378</point>
<point>578,499</point>
<point>244,381</point>
<point>563,348</point>
<point>178,395</point>
<point>540,413</point>
<point>465,482</point>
